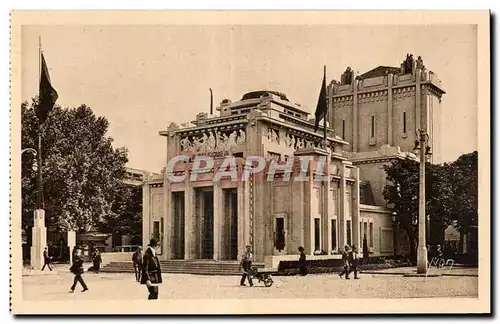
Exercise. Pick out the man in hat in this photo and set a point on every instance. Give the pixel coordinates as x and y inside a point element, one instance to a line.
<point>137,262</point>
<point>151,270</point>
<point>353,261</point>
<point>46,259</point>
<point>246,264</point>
<point>96,260</point>
<point>345,262</point>
<point>77,270</point>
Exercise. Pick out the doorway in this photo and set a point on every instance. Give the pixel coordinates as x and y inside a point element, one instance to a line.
<point>177,238</point>
<point>207,224</point>
<point>229,224</point>
<point>317,234</point>
<point>234,225</point>
<point>279,236</point>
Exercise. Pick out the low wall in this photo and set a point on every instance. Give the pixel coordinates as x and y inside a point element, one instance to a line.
<point>108,257</point>
<point>273,261</point>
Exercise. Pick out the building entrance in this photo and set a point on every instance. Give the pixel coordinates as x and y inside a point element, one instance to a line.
<point>205,222</point>
<point>229,248</point>
<point>179,223</point>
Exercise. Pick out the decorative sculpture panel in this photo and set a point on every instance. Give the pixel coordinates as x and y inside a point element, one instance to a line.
<point>213,141</point>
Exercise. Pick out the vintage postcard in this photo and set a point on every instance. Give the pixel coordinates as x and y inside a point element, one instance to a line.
<point>263,162</point>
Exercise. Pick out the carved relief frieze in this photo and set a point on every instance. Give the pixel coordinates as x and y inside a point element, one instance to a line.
<point>213,140</point>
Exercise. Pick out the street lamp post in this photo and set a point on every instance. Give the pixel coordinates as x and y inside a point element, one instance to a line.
<point>395,233</point>
<point>422,145</point>
<point>39,231</point>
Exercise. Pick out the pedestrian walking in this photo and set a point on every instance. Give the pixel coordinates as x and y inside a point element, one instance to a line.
<point>302,261</point>
<point>353,258</point>
<point>345,262</point>
<point>137,262</point>
<point>46,259</point>
<point>96,260</point>
<point>77,270</point>
<point>151,270</point>
<point>246,264</point>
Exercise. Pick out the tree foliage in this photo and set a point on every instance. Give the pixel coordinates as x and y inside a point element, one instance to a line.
<point>451,196</point>
<point>82,172</point>
<point>126,213</point>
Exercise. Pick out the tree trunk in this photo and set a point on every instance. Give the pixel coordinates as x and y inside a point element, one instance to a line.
<point>461,243</point>
<point>412,241</point>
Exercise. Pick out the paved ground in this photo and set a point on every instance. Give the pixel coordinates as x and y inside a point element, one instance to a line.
<point>445,271</point>
<point>106,286</point>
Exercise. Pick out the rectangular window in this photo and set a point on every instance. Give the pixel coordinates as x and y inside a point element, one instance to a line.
<point>360,230</point>
<point>348,232</point>
<point>156,230</point>
<point>371,234</point>
<point>316,234</point>
<point>279,242</point>
<point>334,234</point>
<point>373,127</point>
<point>404,122</point>
<point>343,129</point>
<point>320,201</point>
<point>365,230</point>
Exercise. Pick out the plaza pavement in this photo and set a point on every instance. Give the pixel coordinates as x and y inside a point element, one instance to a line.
<point>110,286</point>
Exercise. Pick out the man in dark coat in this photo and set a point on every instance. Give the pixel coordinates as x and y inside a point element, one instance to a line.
<point>353,258</point>
<point>77,269</point>
<point>96,260</point>
<point>302,261</point>
<point>137,262</point>
<point>46,259</point>
<point>151,270</point>
<point>345,262</point>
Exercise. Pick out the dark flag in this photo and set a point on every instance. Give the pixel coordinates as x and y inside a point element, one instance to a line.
<point>211,102</point>
<point>47,95</point>
<point>321,108</point>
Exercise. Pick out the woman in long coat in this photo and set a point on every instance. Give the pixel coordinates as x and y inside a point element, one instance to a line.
<point>151,270</point>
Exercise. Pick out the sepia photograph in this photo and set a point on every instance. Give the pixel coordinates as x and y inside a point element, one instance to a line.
<point>261,162</point>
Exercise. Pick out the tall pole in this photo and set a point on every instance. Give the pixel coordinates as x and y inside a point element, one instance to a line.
<point>326,114</point>
<point>422,219</point>
<point>211,102</point>
<point>39,194</point>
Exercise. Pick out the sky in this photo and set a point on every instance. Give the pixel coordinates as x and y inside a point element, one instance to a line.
<point>142,78</point>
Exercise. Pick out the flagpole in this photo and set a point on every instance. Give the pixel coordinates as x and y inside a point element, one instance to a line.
<point>326,113</point>
<point>39,196</point>
<point>211,102</point>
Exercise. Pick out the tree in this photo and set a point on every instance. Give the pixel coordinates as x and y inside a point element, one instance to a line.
<point>464,211</point>
<point>451,196</point>
<point>402,192</point>
<point>126,213</point>
<point>82,172</point>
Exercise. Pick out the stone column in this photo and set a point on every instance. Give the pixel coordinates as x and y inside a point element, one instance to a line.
<point>189,233</point>
<point>242,218</point>
<point>389,109</point>
<point>342,204</point>
<point>356,237</point>
<point>146,216</point>
<point>168,224</point>
<point>309,219</point>
<point>218,213</point>
<point>325,218</point>
<point>39,239</point>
